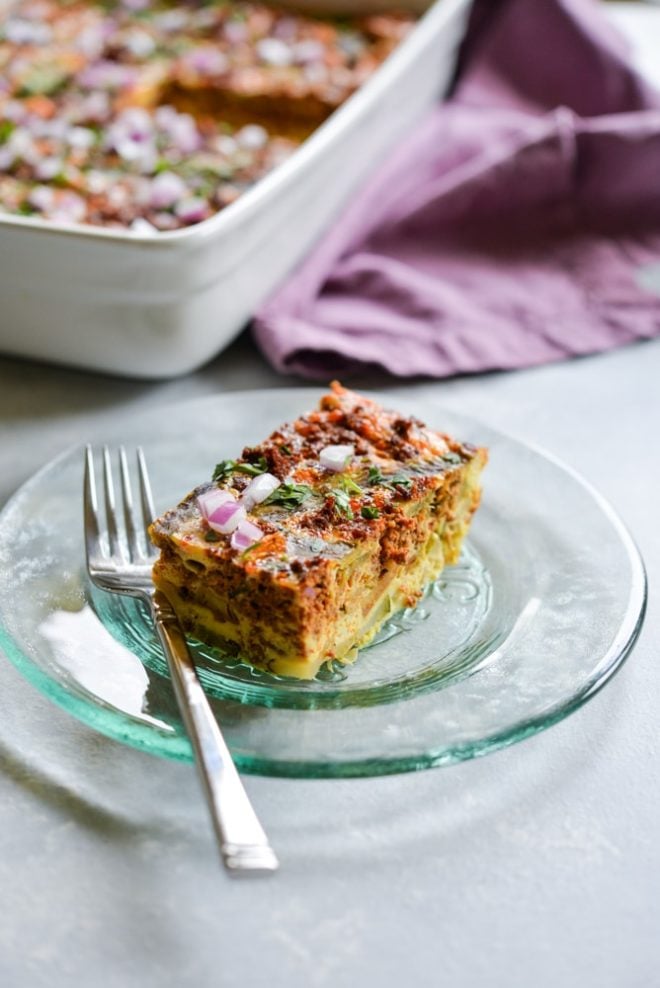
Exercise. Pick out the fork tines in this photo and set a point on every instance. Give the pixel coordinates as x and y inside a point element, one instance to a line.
<point>128,543</point>
<point>119,559</point>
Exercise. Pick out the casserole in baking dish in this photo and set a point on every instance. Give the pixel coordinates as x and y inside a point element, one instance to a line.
<point>152,304</point>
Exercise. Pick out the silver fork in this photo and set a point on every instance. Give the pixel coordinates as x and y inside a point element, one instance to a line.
<point>123,565</point>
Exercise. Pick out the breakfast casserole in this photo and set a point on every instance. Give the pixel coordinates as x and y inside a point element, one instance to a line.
<point>153,116</point>
<point>297,552</point>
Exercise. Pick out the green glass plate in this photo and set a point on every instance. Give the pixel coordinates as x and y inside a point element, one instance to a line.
<point>544,605</point>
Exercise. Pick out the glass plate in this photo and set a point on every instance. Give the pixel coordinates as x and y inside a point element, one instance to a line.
<point>544,605</point>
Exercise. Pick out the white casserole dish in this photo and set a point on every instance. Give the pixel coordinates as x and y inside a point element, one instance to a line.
<point>162,305</point>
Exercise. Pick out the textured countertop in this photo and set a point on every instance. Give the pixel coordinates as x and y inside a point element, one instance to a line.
<point>539,864</point>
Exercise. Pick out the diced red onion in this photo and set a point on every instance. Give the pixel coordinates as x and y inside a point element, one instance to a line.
<point>252,137</point>
<point>24,32</point>
<point>107,75</point>
<point>205,60</point>
<point>171,20</point>
<point>272,51</point>
<point>225,145</point>
<point>69,208</point>
<point>133,125</point>
<point>165,221</point>
<point>97,182</point>
<point>42,197</point>
<point>308,51</point>
<point>93,107</point>
<point>202,18</point>
<point>165,115</point>
<point>139,43</point>
<point>91,41</point>
<point>351,44</point>
<point>143,156</point>
<point>80,137</point>
<point>192,210</point>
<point>14,110</point>
<point>180,129</point>
<point>259,489</point>
<point>37,127</point>
<point>210,500</point>
<point>285,28</point>
<point>227,517</point>
<point>118,196</point>
<point>47,168</point>
<point>142,226</point>
<point>315,72</point>
<point>336,458</point>
<point>22,146</point>
<point>245,535</point>
<point>235,32</point>
<point>166,190</point>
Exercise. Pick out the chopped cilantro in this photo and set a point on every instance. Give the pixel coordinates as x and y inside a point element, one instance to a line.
<point>253,469</point>
<point>342,502</point>
<point>369,511</point>
<point>42,80</point>
<point>225,467</point>
<point>399,480</point>
<point>393,480</point>
<point>211,536</point>
<point>250,548</point>
<point>348,484</point>
<point>7,127</point>
<point>289,495</point>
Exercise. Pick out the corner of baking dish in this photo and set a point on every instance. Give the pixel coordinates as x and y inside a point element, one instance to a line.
<point>286,174</point>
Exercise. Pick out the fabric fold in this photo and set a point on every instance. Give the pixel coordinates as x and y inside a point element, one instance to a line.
<point>517,225</point>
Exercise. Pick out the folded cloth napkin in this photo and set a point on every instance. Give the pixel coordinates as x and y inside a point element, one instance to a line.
<point>520,223</point>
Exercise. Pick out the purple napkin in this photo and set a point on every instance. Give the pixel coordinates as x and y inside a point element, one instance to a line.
<point>520,223</point>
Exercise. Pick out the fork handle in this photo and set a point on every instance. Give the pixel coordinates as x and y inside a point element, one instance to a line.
<point>243,844</point>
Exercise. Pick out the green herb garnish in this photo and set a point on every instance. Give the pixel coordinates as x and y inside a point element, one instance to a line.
<point>7,128</point>
<point>211,536</point>
<point>369,511</point>
<point>253,469</point>
<point>42,80</point>
<point>342,502</point>
<point>398,479</point>
<point>348,484</point>
<point>285,449</point>
<point>250,548</point>
<point>289,495</point>
<point>225,467</point>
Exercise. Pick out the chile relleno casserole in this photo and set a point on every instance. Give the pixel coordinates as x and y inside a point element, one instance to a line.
<point>154,115</point>
<point>297,552</point>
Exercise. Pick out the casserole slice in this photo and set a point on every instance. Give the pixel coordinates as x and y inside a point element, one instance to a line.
<point>296,553</point>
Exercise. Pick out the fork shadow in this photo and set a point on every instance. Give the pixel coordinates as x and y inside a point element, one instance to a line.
<point>68,802</point>
<point>441,812</point>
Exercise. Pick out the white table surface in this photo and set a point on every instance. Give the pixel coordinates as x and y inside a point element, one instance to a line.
<point>538,865</point>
